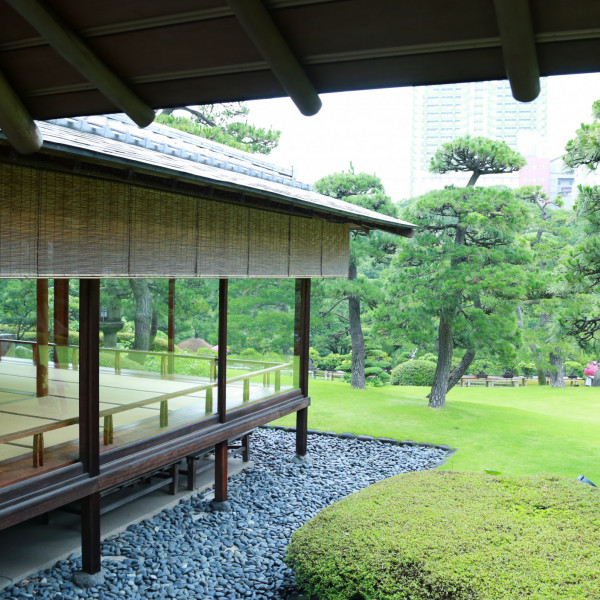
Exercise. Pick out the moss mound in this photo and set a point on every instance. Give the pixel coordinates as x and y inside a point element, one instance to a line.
<point>454,536</point>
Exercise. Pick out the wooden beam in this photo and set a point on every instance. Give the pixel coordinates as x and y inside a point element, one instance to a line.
<point>518,48</point>
<point>16,122</point>
<point>41,366</point>
<point>61,323</point>
<point>89,375</point>
<point>75,51</point>
<point>260,27</point>
<point>222,352</point>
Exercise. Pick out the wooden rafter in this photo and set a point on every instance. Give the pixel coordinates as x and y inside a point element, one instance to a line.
<point>262,30</point>
<point>75,51</point>
<point>518,48</point>
<point>16,122</point>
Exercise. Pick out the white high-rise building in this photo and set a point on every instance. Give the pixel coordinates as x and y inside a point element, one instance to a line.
<point>442,113</point>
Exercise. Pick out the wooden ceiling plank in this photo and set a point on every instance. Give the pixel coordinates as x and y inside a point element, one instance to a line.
<point>518,48</point>
<point>260,27</point>
<point>15,121</point>
<point>72,48</point>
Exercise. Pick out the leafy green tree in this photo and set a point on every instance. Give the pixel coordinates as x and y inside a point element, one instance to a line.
<point>583,267</point>
<point>19,308</point>
<point>550,236</point>
<point>223,123</point>
<point>477,155</point>
<point>464,268</point>
<point>370,249</point>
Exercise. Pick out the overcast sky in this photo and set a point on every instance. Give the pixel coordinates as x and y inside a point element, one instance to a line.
<point>373,129</point>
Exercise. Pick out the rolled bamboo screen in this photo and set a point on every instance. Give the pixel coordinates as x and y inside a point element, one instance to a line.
<point>56,224</point>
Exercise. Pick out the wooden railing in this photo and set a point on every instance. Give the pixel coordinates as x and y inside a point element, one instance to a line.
<point>167,363</point>
<point>268,369</point>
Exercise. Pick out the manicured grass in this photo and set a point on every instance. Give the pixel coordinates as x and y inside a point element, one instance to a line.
<point>517,431</point>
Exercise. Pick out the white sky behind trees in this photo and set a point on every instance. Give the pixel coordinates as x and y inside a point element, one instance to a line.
<point>372,129</point>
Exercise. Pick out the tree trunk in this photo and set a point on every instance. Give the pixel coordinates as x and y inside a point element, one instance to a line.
<point>460,369</point>
<point>357,381</point>
<point>153,327</point>
<point>143,313</point>
<point>557,377</point>
<point>437,397</point>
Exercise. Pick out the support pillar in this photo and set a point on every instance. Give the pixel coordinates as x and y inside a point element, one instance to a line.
<point>171,329</point>
<point>220,502</point>
<point>61,323</point>
<point>42,338</point>
<point>222,352</point>
<point>89,418</point>
<point>301,359</point>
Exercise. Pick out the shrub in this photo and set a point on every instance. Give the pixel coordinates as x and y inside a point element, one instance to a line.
<point>527,368</point>
<point>573,367</point>
<point>475,536</point>
<point>414,372</point>
<point>375,376</point>
<point>481,365</point>
<point>160,345</point>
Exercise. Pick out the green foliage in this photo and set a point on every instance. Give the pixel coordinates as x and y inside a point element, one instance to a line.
<point>437,535</point>
<point>574,367</point>
<point>413,372</point>
<point>478,155</point>
<point>159,345</point>
<point>18,306</point>
<point>527,368</point>
<point>236,134</point>
<point>480,365</point>
<point>344,185</point>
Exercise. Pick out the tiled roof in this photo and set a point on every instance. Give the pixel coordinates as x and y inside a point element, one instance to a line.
<point>165,150</point>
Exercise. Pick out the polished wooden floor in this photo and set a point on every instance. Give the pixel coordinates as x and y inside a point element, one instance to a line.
<point>130,403</point>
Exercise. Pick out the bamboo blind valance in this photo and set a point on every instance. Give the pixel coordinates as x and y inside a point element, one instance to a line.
<point>55,224</point>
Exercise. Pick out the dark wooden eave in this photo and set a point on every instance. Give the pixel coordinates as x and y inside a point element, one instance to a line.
<point>73,57</point>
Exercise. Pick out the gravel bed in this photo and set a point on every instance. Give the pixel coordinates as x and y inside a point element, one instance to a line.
<point>190,552</point>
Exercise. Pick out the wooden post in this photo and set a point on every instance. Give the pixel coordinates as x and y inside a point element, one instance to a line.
<point>42,338</point>
<point>89,416</point>
<point>302,335</point>
<point>90,534</point>
<point>171,328</point>
<point>61,323</point>
<point>301,351</point>
<point>222,352</point>
<point>220,501</point>
<point>89,367</point>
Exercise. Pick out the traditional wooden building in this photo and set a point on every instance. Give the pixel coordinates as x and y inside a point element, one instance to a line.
<point>77,211</point>
<point>103,200</point>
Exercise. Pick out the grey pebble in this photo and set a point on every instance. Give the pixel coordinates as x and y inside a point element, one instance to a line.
<point>237,554</point>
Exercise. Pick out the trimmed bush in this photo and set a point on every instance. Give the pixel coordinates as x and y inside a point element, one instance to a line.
<point>414,372</point>
<point>440,535</point>
<point>160,345</point>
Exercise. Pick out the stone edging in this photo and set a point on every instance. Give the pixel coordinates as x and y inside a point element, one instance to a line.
<point>367,438</point>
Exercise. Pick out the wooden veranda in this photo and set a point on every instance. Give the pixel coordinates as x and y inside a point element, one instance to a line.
<point>94,209</point>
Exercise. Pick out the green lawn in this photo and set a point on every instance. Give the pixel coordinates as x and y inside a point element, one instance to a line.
<point>517,431</point>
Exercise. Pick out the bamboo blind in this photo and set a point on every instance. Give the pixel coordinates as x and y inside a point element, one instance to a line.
<point>56,224</point>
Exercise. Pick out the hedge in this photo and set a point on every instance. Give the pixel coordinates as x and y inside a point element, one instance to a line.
<point>439,535</point>
<point>414,372</point>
